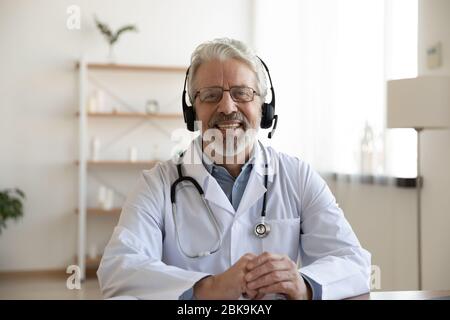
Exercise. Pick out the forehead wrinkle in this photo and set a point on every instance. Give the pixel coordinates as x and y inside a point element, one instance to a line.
<point>209,77</point>
<point>222,74</point>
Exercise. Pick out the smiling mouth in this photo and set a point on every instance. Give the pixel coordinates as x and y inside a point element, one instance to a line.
<point>228,125</point>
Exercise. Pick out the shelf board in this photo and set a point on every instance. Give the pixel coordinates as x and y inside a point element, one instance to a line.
<point>94,262</point>
<point>102,212</point>
<point>92,265</point>
<point>146,164</point>
<point>133,115</point>
<point>133,67</point>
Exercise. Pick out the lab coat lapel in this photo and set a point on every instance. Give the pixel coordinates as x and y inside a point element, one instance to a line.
<point>255,188</point>
<point>193,166</point>
<point>215,194</point>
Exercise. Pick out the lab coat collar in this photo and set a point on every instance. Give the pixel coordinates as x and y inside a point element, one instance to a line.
<point>211,166</point>
<point>193,167</point>
<point>262,158</point>
<point>255,188</point>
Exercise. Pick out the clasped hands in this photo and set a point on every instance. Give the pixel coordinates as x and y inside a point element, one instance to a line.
<point>253,277</point>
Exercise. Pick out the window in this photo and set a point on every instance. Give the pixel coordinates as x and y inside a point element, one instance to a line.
<point>330,60</point>
<point>401,62</point>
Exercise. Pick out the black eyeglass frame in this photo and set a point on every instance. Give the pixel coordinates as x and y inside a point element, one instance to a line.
<point>254,92</point>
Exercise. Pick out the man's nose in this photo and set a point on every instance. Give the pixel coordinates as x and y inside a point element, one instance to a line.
<point>226,104</point>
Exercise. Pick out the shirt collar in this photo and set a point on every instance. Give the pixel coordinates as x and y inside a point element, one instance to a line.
<point>211,166</point>
<point>193,161</point>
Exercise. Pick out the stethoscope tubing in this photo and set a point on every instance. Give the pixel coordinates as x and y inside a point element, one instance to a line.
<point>259,226</point>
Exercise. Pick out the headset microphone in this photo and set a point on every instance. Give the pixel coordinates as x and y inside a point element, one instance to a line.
<point>271,133</point>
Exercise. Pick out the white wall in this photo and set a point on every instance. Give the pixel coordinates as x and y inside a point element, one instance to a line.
<point>38,99</point>
<point>434,26</point>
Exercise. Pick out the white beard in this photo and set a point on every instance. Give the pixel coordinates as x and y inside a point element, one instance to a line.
<point>235,142</point>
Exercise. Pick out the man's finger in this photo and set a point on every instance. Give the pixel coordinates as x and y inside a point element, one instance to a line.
<point>263,258</point>
<point>250,294</point>
<point>270,279</point>
<point>269,266</point>
<point>284,287</point>
<point>259,296</point>
<point>243,260</point>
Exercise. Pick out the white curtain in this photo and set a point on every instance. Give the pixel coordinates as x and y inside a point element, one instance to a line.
<point>329,60</point>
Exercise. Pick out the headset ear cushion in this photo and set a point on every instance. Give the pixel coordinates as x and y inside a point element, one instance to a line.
<point>267,115</point>
<point>189,115</point>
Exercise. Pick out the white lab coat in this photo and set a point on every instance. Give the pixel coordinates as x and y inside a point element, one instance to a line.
<point>143,258</point>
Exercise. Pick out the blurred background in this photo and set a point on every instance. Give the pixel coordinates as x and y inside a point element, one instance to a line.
<point>82,113</point>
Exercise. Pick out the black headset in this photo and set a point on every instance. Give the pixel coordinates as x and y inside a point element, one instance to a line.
<point>268,116</point>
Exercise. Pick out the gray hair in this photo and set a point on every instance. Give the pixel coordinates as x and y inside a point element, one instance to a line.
<point>223,49</point>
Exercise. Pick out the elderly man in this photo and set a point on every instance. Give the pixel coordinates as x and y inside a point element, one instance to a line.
<point>231,218</point>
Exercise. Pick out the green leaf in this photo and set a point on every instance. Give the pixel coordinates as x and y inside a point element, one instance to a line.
<point>123,29</point>
<point>20,192</point>
<point>104,29</point>
<point>11,206</point>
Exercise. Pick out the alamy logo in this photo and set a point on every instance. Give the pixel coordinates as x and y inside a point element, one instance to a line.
<point>375,277</point>
<point>73,21</point>
<point>74,280</point>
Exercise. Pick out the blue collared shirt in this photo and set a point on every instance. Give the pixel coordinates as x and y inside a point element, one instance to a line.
<point>234,189</point>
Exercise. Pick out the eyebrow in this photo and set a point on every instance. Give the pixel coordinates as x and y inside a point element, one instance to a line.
<point>219,86</point>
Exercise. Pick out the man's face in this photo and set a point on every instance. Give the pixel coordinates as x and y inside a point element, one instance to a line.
<point>232,119</point>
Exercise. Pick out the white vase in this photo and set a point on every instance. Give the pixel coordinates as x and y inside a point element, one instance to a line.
<point>109,201</point>
<point>133,154</point>
<point>102,197</point>
<point>95,149</point>
<point>111,54</point>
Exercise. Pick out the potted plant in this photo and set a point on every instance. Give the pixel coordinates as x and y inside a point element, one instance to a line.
<point>112,37</point>
<point>11,206</point>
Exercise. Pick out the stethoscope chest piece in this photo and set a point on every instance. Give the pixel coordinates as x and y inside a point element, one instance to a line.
<point>262,229</point>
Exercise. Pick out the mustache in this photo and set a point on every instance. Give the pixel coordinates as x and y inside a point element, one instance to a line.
<point>235,116</point>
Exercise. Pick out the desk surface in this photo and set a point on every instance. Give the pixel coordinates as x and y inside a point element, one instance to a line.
<point>403,295</point>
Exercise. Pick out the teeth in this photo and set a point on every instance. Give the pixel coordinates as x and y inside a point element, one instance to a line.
<point>228,126</point>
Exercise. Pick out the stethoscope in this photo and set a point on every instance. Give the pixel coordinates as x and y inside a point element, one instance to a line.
<point>261,229</point>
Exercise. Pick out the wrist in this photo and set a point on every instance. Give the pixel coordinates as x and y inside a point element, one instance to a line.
<point>304,291</point>
<point>202,288</point>
<point>308,292</point>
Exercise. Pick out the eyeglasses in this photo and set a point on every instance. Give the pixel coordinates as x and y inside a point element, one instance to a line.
<point>215,94</point>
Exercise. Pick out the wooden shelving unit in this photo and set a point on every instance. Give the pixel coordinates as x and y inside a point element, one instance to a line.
<point>148,164</point>
<point>132,67</point>
<point>93,262</point>
<point>101,212</point>
<point>120,163</point>
<point>155,116</point>
<point>83,163</point>
<point>92,265</point>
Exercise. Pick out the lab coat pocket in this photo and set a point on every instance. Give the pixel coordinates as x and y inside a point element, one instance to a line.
<point>284,237</point>
<point>194,227</point>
